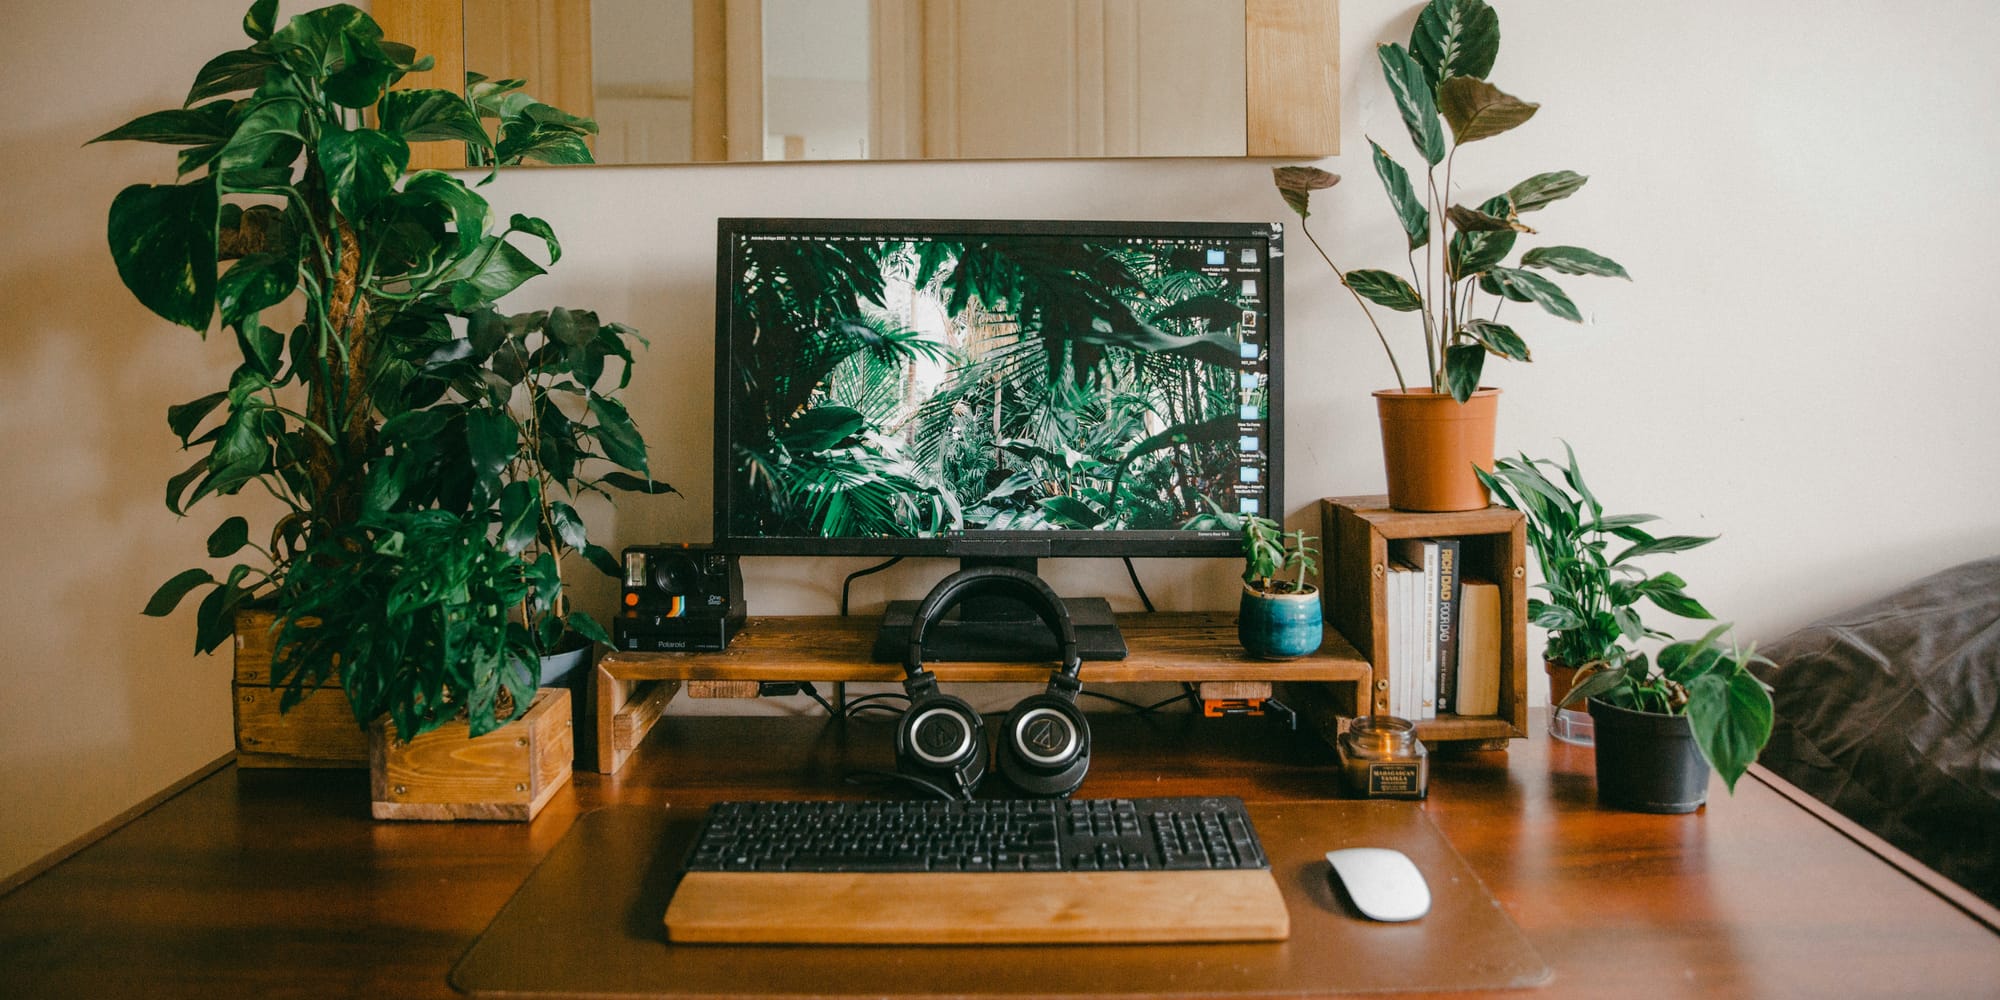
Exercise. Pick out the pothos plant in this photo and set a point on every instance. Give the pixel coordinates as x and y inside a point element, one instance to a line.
<point>1728,708</point>
<point>1269,552</point>
<point>414,554</point>
<point>1593,616</point>
<point>1439,83</point>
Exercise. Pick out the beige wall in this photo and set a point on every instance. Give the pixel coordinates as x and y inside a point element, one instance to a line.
<point>1804,192</point>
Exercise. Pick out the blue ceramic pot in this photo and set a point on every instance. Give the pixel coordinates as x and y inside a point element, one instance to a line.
<point>1279,626</point>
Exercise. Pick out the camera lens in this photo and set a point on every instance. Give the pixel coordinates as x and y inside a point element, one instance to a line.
<point>673,574</point>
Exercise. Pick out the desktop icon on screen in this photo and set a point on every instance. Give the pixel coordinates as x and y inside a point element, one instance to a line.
<point>1249,474</point>
<point>1248,444</point>
<point>1218,258</point>
<point>1248,505</point>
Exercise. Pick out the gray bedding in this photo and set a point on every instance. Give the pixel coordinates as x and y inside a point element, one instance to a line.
<point>1890,713</point>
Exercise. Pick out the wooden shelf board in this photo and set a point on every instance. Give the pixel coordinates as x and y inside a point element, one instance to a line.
<point>1165,646</point>
<point>1452,727</point>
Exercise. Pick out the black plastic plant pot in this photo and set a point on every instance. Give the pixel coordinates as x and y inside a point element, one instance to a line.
<point>1647,762</point>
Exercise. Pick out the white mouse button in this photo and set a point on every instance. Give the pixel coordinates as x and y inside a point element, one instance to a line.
<point>1383,883</point>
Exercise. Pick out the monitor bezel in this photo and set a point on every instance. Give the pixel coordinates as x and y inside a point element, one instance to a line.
<point>982,543</point>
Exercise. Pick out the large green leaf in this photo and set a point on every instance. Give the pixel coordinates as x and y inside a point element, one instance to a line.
<point>431,116</point>
<point>1385,289</point>
<point>1473,252</point>
<point>163,241</point>
<point>183,418</point>
<point>1473,220</point>
<point>821,428</point>
<point>574,327</point>
<point>170,594</point>
<point>175,126</point>
<point>260,19</point>
<point>1573,260</point>
<point>215,619</point>
<point>1410,210</point>
<point>491,440</point>
<point>1527,286</point>
<point>1071,511</point>
<point>1669,543</point>
<point>541,230</point>
<point>486,276</point>
<point>1501,340</point>
<point>253,284</point>
<point>242,69</point>
<point>273,121</point>
<point>1731,714</point>
<point>229,537</point>
<point>1455,38</point>
<point>1296,185</point>
<point>568,525</point>
<point>341,46</point>
<point>1542,189</point>
<point>1462,364</point>
<point>533,131</point>
<point>520,515</point>
<point>361,168</point>
<point>627,481</point>
<point>468,210</point>
<point>1478,110</point>
<point>615,431</point>
<point>1414,99</point>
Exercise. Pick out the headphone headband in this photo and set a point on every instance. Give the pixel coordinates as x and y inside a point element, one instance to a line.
<point>983,580</point>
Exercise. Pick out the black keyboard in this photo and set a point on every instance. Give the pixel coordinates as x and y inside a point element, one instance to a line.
<point>1157,834</point>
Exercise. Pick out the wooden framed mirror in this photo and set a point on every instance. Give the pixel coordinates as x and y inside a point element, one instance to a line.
<point>673,81</point>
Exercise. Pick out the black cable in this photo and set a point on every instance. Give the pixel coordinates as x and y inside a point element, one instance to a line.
<point>874,700</point>
<point>859,573</point>
<point>1185,695</point>
<point>806,688</point>
<point>895,777</point>
<point>1136,585</point>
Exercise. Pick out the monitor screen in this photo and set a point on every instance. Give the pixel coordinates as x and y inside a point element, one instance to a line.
<point>1006,389</point>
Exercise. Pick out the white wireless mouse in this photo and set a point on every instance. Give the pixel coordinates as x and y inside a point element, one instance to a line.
<point>1383,883</point>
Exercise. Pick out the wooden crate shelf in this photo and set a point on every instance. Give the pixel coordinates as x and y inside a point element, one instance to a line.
<point>1493,547</point>
<point>633,689</point>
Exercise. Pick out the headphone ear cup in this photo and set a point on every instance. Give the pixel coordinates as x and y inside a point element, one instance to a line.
<point>1044,746</point>
<point>942,739</point>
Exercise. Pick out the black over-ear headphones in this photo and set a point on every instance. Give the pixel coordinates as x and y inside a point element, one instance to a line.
<point>1044,746</point>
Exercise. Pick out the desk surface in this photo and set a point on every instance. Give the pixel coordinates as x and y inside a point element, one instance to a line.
<point>278,884</point>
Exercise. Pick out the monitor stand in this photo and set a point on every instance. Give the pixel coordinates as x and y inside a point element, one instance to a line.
<point>999,629</point>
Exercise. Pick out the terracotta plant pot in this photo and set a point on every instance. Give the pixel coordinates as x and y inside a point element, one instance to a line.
<point>1430,443</point>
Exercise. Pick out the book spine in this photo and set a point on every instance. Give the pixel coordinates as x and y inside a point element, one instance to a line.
<point>1427,635</point>
<point>1447,597</point>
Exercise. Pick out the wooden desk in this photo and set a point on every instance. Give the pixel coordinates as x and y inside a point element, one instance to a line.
<point>278,884</point>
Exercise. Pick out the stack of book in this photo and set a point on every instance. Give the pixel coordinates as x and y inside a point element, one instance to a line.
<point>1444,633</point>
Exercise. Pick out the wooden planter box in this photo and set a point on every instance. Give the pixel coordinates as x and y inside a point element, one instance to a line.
<point>507,774</point>
<point>319,731</point>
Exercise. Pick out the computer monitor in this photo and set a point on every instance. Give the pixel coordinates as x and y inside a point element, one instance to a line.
<point>996,390</point>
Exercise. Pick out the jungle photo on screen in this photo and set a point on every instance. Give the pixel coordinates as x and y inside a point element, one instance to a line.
<point>907,387</point>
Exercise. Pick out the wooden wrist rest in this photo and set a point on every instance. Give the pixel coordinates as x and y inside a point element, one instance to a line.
<point>977,907</point>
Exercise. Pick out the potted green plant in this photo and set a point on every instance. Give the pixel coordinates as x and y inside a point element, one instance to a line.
<point>1592,611</point>
<point>1662,725</point>
<point>1278,618</point>
<point>376,398</point>
<point>1435,432</point>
